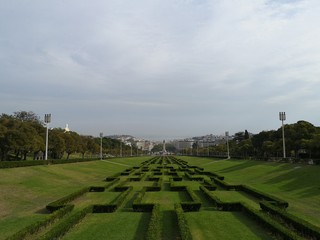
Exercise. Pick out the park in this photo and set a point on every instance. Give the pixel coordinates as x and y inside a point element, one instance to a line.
<point>161,197</point>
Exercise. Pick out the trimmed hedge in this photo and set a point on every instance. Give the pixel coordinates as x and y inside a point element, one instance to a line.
<point>66,224</point>
<point>184,229</point>
<point>14,164</point>
<point>62,201</point>
<point>222,206</point>
<point>154,227</point>
<point>96,189</point>
<point>225,185</point>
<point>264,196</point>
<point>114,205</point>
<point>303,227</point>
<point>37,226</point>
<point>209,185</point>
<point>28,163</point>
<point>270,224</point>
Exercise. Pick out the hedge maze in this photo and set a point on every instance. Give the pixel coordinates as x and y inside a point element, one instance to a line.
<point>167,187</point>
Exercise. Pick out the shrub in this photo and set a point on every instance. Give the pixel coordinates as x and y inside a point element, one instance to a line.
<point>226,185</point>
<point>62,201</point>
<point>301,226</point>
<point>182,222</point>
<point>96,189</point>
<point>264,196</point>
<point>154,227</point>
<point>63,226</point>
<point>35,227</point>
<point>269,223</point>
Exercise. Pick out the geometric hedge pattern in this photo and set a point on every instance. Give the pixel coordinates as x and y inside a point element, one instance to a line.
<point>168,190</point>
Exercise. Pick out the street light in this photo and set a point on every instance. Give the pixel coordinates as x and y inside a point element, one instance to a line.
<point>282,117</point>
<point>47,120</point>
<point>227,136</point>
<point>101,135</point>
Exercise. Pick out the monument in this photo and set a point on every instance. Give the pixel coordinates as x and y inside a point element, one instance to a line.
<point>164,151</point>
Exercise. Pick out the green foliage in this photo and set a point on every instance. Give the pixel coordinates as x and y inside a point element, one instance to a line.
<point>154,227</point>
<point>306,229</point>
<point>35,227</point>
<point>270,224</point>
<point>63,226</point>
<point>62,201</point>
<point>182,222</point>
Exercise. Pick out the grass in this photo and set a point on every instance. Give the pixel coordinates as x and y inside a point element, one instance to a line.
<point>297,184</point>
<point>116,226</point>
<point>24,193</point>
<point>214,225</point>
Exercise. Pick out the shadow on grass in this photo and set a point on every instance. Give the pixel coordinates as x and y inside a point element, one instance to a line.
<point>240,166</point>
<point>303,178</point>
<point>143,226</point>
<point>170,228</point>
<point>252,226</point>
<point>42,211</point>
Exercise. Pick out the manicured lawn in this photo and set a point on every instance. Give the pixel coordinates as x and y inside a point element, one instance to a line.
<point>115,226</point>
<point>223,225</point>
<point>24,192</point>
<point>297,184</point>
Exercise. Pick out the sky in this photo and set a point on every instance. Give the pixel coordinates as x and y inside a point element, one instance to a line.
<point>161,69</point>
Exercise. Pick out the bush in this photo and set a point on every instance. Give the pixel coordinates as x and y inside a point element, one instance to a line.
<point>269,223</point>
<point>182,222</point>
<point>62,201</point>
<point>63,226</point>
<point>301,226</point>
<point>264,196</point>
<point>35,227</point>
<point>96,189</point>
<point>154,227</point>
<point>226,185</point>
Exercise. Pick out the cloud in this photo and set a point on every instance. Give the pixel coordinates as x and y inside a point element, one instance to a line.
<point>158,60</point>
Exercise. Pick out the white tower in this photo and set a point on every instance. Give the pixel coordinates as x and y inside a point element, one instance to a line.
<point>164,151</point>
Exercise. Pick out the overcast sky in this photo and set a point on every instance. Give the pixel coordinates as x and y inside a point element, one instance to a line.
<point>161,69</point>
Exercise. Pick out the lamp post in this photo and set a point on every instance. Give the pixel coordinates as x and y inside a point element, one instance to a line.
<point>101,136</point>
<point>282,117</point>
<point>47,120</point>
<point>227,136</point>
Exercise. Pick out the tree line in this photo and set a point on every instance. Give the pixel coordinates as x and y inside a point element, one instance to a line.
<point>302,141</point>
<point>22,135</point>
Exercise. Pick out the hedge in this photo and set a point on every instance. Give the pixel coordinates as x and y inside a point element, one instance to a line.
<point>28,163</point>
<point>264,196</point>
<point>209,185</point>
<point>303,227</point>
<point>272,225</point>
<point>37,226</point>
<point>62,201</point>
<point>223,206</point>
<point>66,224</point>
<point>226,185</point>
<point>154,227</point>
<point>114,205</point>
<point>184,229</point>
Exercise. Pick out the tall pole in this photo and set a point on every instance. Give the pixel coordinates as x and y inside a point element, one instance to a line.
<point>101,136</point>
<point>282,117</point>
<point>227,136</point>
<point>47,120</point>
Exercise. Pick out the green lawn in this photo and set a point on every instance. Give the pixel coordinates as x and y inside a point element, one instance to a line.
<point>223,225</point>
<point>297,184</point>
<point>24,193</point>
<point>115,226</point>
